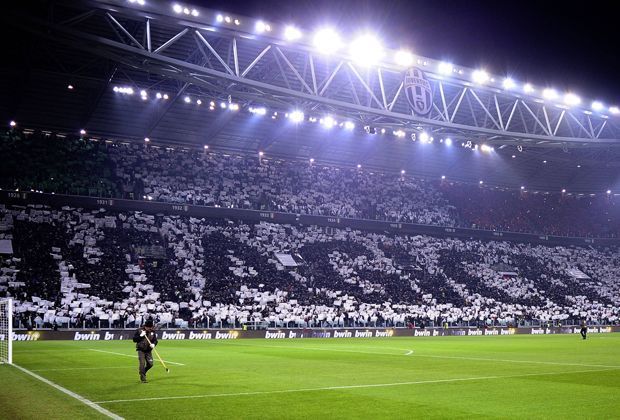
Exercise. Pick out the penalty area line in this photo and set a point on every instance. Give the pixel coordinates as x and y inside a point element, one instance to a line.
<point>72,394</point>
<point>132,356</point>
<point>329,388</point>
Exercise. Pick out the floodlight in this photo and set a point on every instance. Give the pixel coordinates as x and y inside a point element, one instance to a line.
<point>327,41</point>
<point>528,88</point>
<point>550,94</point>
<point>448,141</point>
<point>177,8</point>
<point>597,106</point>
<point>403,58</point>
<point>260,27</point>
<point>366,50</point>
<point>328,121</point>
<point>614,110</point>
<point>424,137</point>
<point>509,83</point>
<point>349,125</point>
<point>445,68</point>
<point>572,99</point>
<point>480,76</point>
<point>187,99</point>
<point>291,33</point>
<point>296,116</point>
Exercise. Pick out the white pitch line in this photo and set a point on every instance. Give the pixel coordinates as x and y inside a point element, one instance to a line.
<point>82,368</point>
<point>71,394</point>
<point>132,356</point>
<point>328,388</point>
<point>410,352</point>
<point>322,349</point>
<point>484,359</point>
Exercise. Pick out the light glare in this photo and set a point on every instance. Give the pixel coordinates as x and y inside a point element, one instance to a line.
<point>366,50</point>
<point>403,58</point>
<point>291,33</point>
<point>480,76</point>
<point>327,41</point>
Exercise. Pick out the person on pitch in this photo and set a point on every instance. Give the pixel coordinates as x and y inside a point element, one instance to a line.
<point>146,340</point>
<point>584,329</point>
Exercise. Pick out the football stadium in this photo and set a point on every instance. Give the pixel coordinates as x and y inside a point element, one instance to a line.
<point>209,214</point>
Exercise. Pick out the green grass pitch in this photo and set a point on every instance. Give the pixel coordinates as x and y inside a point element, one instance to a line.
<point>559,376</point>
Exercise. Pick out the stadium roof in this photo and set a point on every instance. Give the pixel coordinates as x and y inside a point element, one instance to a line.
<point>233,64</point>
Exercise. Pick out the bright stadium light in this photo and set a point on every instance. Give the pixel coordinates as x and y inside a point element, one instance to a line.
<point>177,8</point>
<point>359,166</point>
<point>206,147</point>
<point>327,41</point>
<point>291,33</point>
<point>328,121</point>
<point>158,95</point>
<point>296,116</point>
<point>486,148</point>
<point>443,177</point>
<point>597,106</point>
<point>508,83</point>
<point>528,88</point>
<point>233,107</point>
<point>550,94</point>
<point>563,190</point>
<point>614,110</point>
<point>186,11</point>
<point>82,132</point>
<point>187,99</point>
<point>480,76</point>
<point>165,96</point>
<point>424,137</point>
<point>146,140</point>
<point>448,141</point>
<point>349,125</point>
<point>366,50</point>
<point>445,68</point>
<point>608,191</point>
<point>261,27</point>
<point>572,99</point>
<point>143,92</point>
<point>195,13</point>
<point>522,187</point>
<point>258,111</point>
<point>219,18</point>
<point>12,123</point>
<point>199,102</point>
<point>403,58</point>
<point>261,154</point>
<point>481,182</point>
<point>311,160</point>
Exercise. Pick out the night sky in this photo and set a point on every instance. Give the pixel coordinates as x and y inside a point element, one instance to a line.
<point>565,45</point>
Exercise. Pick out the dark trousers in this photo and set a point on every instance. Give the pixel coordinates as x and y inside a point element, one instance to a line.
<point>146,362</point>
<point>583,332</point>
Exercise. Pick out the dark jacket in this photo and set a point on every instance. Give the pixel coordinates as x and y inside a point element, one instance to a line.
<point>141,343</point>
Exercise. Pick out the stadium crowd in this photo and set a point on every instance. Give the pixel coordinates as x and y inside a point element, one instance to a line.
<point>85,268</point>
<point>178,175</point>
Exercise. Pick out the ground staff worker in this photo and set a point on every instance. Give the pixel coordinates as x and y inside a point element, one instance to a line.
<point>144,348</point>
